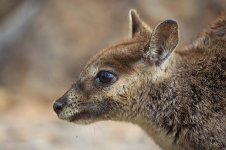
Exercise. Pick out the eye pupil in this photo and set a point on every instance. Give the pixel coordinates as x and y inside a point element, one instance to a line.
<point>105,77</point>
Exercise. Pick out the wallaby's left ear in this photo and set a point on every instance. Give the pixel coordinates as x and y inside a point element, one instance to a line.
<point>137,26</point>
<point>163,41</point>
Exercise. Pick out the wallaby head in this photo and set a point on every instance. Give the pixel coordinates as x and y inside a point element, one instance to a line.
<point>177,97</point>
<point>113,85</point>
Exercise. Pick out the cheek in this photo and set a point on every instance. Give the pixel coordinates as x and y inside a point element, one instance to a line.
<point>130,82</point>
<point>122,90</point>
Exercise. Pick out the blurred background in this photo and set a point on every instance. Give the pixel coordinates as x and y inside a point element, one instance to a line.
<point>44,44</point>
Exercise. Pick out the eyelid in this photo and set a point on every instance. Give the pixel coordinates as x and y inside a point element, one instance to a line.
<point>106,84</point>
<point>106,70</point>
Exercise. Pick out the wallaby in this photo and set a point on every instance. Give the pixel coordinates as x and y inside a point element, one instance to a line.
<point>177,97</point>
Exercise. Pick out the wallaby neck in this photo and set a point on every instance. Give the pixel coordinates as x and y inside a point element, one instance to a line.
<point>159,117</point>
<point>160,123</point>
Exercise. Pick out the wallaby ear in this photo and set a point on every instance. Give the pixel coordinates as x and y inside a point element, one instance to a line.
<point>164,40</point>
<point>137,26</point>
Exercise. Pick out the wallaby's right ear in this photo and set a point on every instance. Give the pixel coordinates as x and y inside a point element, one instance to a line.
<point>137,26</point>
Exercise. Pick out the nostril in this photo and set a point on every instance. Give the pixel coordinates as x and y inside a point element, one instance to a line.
<point>57,107</point>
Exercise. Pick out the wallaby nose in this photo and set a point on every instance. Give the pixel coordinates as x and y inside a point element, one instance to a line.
<point>57,107</point>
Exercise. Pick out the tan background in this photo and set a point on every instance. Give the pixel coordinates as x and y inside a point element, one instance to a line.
<point>44,44</point>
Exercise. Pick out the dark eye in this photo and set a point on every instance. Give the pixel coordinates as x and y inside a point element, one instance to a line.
<point>106,77</point>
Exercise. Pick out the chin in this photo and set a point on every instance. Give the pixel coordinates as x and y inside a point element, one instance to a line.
<point>83,122</point>
<point>81,117</point>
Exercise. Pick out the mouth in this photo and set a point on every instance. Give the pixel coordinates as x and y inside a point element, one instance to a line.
<point>86,113</point>
<point>83,115</point>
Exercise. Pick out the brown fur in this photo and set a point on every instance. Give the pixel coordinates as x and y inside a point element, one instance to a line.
<point>178,98</point>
